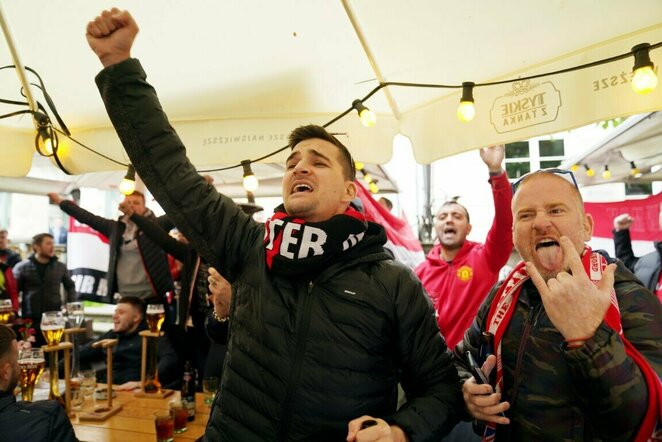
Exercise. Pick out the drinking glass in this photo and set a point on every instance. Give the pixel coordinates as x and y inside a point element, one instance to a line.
<point>164,421</point>
<point>155,317</point>
<point>180,415</point>
<point>77,398</point>
<point>30,365</point>
<point>88,382</point>
<point>209,387</point>
<point>52,326</point>
<point>75,314</point>
<point>6,312</point>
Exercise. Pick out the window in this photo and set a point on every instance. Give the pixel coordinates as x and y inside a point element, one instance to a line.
<point>632,189</point>
<point>523,157</point>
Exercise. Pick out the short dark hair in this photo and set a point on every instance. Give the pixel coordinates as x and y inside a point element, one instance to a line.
<point>7,336</point>
<point>137,193</point>
<point>39,238</point>
<point>388,202</point>
<point>136,302</point>
<point>455,203</point>
<point>310,131</point>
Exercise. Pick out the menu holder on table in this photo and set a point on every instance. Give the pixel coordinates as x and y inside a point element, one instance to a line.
<point>149,379</point>
<point>101,413</point>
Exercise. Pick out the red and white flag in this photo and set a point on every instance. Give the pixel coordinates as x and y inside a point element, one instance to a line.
<point>87,259</point>
<point>401,239</point>
<point>644,230</point>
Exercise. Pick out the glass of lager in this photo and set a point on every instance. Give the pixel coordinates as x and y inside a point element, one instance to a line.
<point>52,326</point>
<point>6,312</point>
<point>155,317</point>
<point>31,366</point>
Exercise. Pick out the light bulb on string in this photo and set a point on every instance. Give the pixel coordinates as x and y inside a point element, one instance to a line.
<point>367,177</point>
<point>644,79</point>
<point>606,173</point>
<point>367,117</point>
<point>634,171</point>
<point>574,167</point>
<point>358,165</point>
<point>128,184</point>
<point>466,111</point>
<point>250,181</point>
<point>46,140</point>
<point>373,187</point>
<point>589,172</point>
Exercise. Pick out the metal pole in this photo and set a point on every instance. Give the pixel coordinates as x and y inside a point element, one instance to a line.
<point>20,70</point>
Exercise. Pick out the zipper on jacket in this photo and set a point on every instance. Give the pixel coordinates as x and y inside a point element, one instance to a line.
<point>302,335</point>
<point>531,322</point>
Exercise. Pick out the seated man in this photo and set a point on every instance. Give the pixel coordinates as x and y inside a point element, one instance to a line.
<point>129,320</point>
<point>27,421</point>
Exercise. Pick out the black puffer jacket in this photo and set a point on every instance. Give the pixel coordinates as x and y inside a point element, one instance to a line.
<point>41,421</point>
<point>153,257</point>
<point>647,268</point>
<point>306,356</point>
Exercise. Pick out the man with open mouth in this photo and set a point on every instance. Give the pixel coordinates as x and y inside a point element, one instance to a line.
<point>577,339</point>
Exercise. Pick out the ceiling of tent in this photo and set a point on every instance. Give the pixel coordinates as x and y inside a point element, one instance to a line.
<point>236,77</point>
<point>636,141</point>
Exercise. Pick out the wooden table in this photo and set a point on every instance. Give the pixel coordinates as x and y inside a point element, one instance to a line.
<point>135,422</point>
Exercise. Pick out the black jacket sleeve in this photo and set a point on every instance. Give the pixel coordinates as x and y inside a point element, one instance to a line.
<point>623,246</point>
<point>215,226</point>
<point>100,224</point>
<point>60,428</point>
<point>161,238</point>
<point>429,377</point>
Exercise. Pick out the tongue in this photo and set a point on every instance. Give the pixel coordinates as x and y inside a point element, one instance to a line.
<point>550,257</point>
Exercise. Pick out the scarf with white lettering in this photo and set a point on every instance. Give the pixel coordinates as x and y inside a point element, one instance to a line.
<point>502,309</point>
<point>294,246</point>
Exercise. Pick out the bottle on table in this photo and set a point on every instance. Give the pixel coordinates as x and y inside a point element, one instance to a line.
<point>188,389</point>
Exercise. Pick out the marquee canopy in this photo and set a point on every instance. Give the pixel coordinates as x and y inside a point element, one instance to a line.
<point>236,77</point>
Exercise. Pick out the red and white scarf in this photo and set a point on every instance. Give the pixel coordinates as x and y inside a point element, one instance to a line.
<point>503,307</point>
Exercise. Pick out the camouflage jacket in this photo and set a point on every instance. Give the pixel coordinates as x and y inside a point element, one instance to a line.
<point>592,393</point>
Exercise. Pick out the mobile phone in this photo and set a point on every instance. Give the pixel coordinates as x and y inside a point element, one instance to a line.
<point>476,371</point>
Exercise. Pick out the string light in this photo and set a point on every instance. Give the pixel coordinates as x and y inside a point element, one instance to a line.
<point>367,178</point>
<point>634,171</point>
<point>589,172</point>
<point>367,117</point>
<point>606,173</point>
<point>644,79</point>
<point>358,165</point>
<point>46,139</point>
<point>128,184</point>
<point>250,181</point>
<point>466,111</point>
<point>373,187</point>
<point>574,167</point>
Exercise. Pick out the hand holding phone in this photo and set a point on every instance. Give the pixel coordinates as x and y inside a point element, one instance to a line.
<point>479,376</point>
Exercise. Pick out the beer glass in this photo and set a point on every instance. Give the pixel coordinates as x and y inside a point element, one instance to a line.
<point>155,317</point>
<point>30,365</point>
<point>75,318</point>
<point>6,312</point>
<point>75,314</point>
<point>52,326</point>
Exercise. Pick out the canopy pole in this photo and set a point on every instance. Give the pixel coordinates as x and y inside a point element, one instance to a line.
<point>368,52</point>
<point>20,69</point>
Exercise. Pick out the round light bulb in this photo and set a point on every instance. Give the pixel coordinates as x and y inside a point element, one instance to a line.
<point>367,178</point>
<point>358,165</point>
<point>606,174</point>
<point>250,183</point>
<point>368,118</point>
<point>644,80</point>
<point>590,172</point>
<point>634,171</point>
<point>574,167</point>
<point>373,187</point>
<point>466,111</point>
<point>127,186</point>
